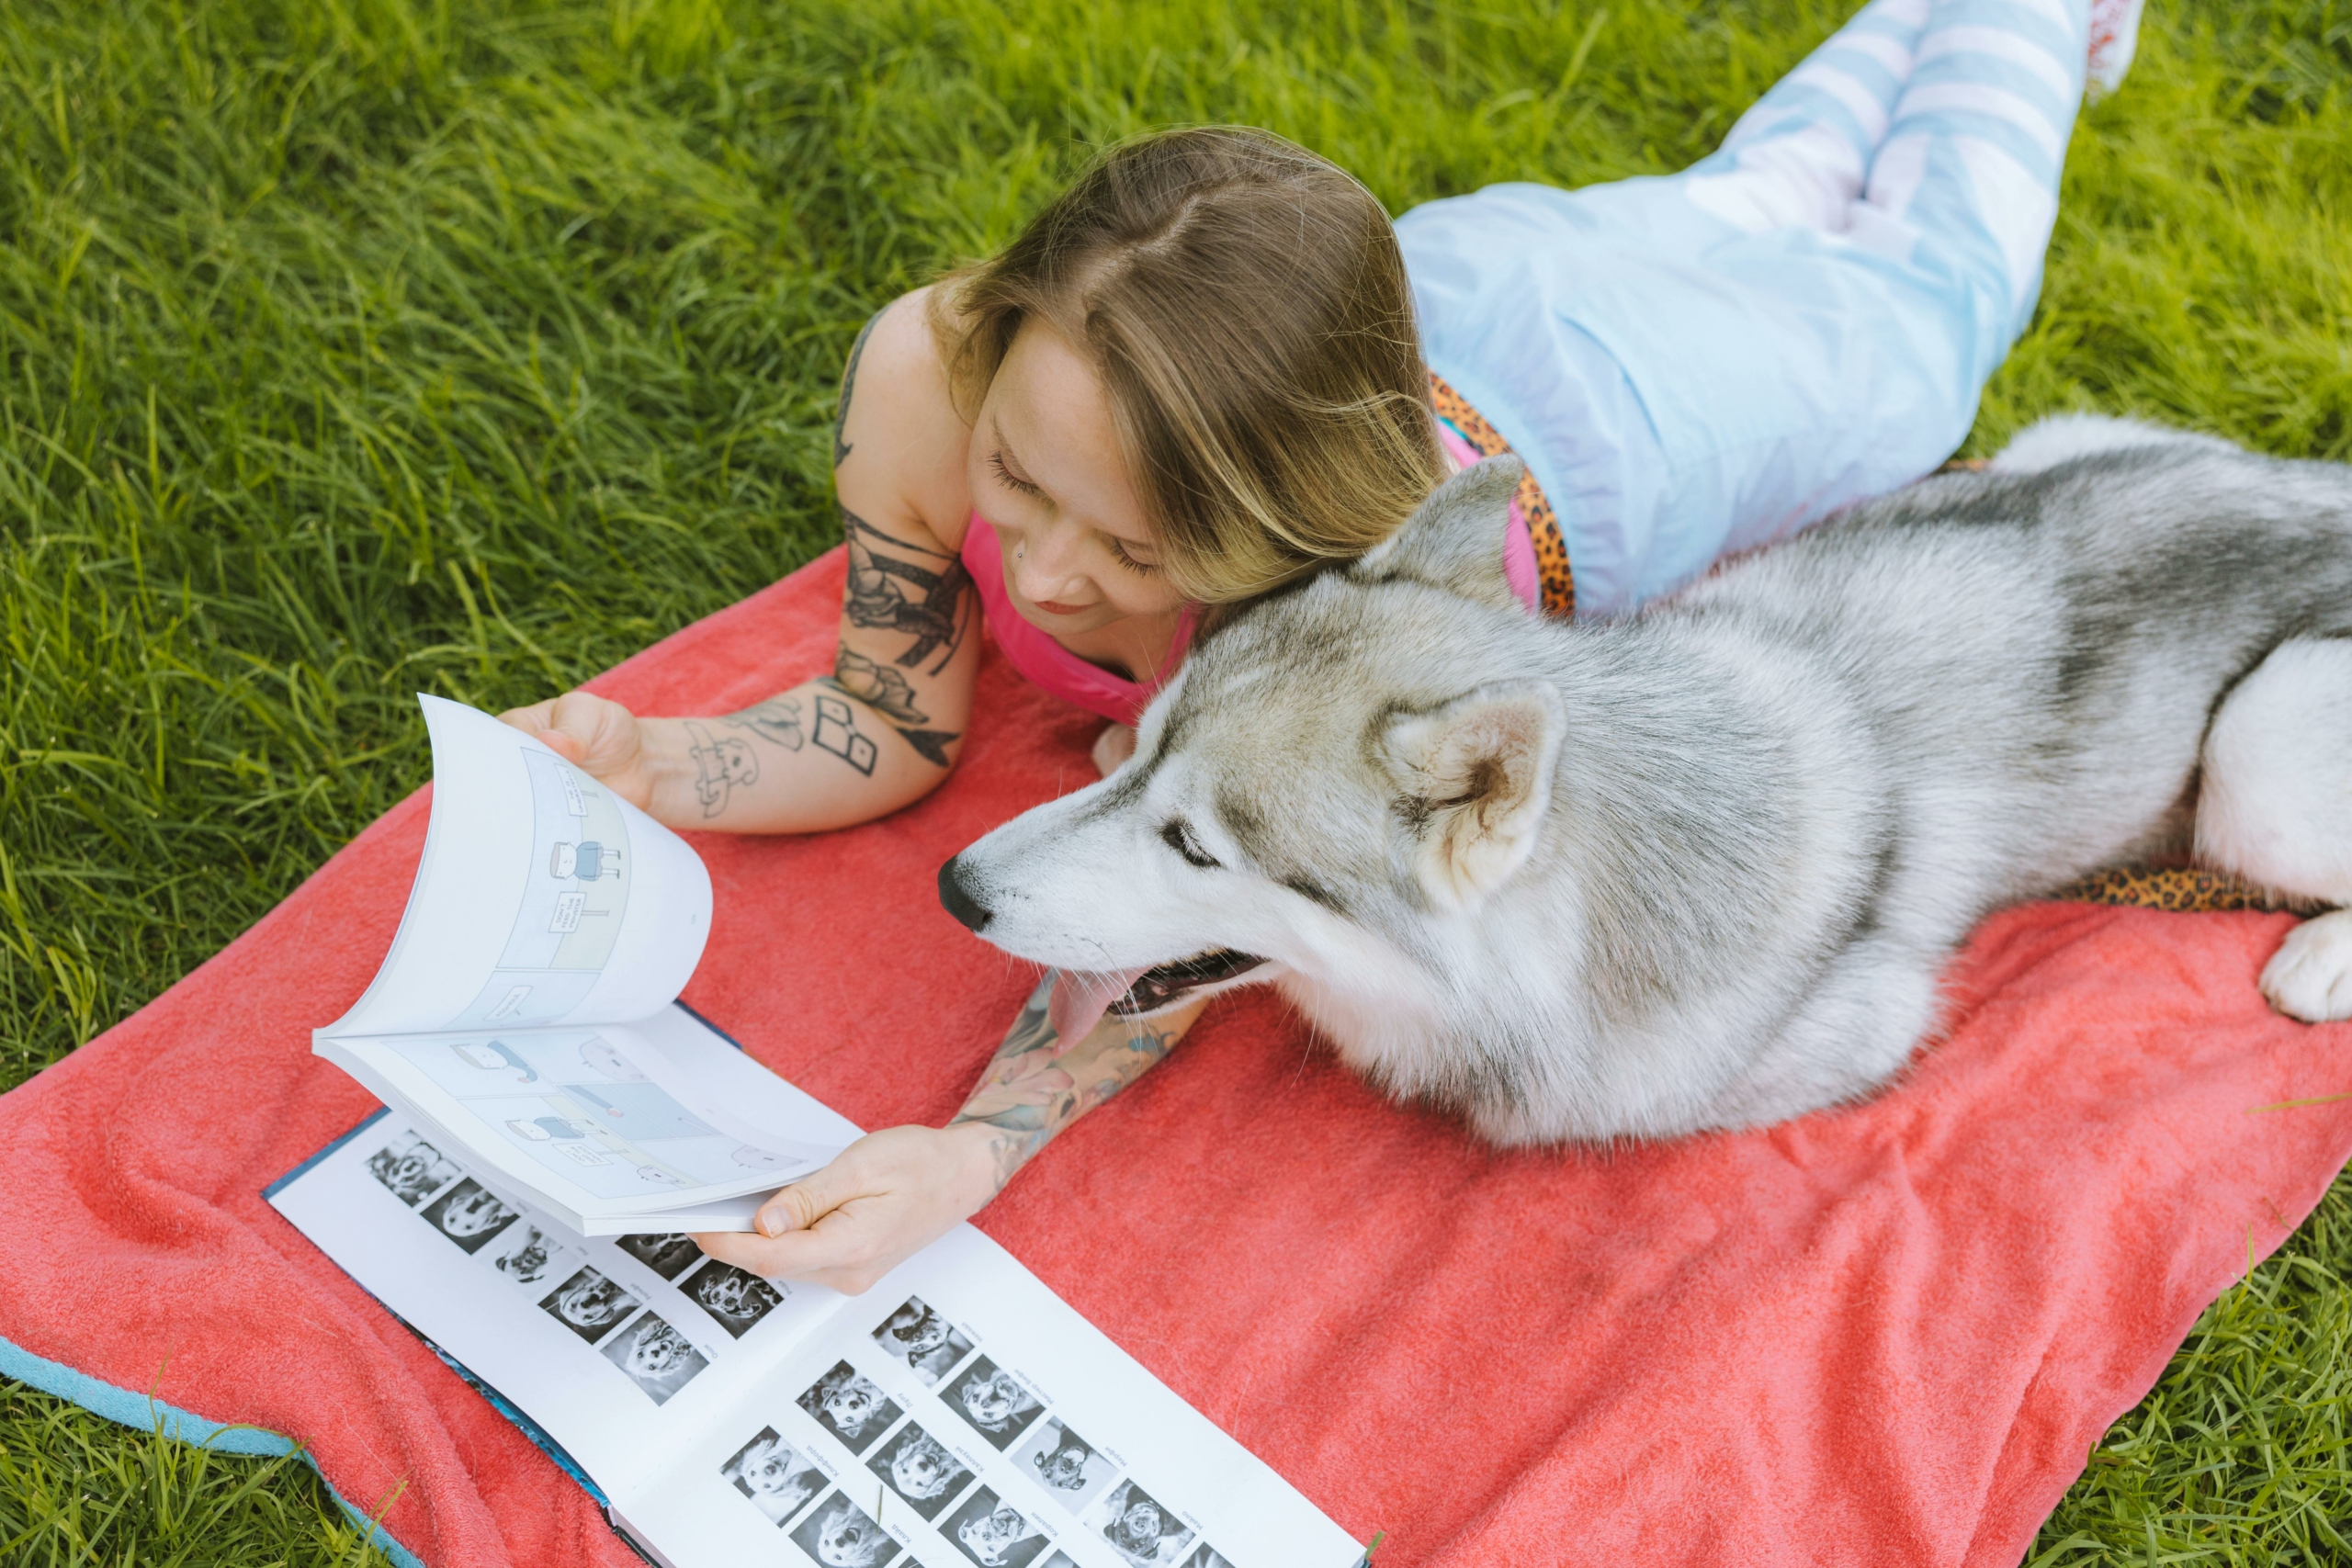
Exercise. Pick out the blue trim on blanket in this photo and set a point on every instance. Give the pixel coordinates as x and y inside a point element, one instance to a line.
<point>148,1413</point>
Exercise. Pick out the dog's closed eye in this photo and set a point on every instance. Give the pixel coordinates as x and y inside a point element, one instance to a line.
<point>1178,835</point>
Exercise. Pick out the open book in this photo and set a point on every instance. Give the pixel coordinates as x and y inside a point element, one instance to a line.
<point>524,1013</point>
<point>959,1414</point>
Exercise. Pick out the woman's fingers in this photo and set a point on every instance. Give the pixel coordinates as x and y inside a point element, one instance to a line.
<point>592,733</point>
<point>881,1201</point>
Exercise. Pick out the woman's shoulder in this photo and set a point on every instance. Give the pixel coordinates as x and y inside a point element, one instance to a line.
<point>899,442</point>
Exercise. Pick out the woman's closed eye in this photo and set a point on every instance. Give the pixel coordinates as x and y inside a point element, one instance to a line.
<point>1013,480</point>
<point>1178,836</point>
<point>1119,553</point>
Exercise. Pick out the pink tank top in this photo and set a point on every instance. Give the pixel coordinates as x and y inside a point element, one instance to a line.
<point>1035,653</point>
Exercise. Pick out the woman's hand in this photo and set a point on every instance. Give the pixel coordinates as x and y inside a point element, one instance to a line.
<point>882,1200</point>
<point>595,734</point>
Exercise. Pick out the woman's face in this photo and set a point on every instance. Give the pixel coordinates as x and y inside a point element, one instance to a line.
<point>1045,471</point>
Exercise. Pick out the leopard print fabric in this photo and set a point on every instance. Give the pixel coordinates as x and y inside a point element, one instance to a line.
<point>1557,582</point>
<point>2183,888</point>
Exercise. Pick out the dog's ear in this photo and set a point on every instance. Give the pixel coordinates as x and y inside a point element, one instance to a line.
<point>1454,539</point>
<point>1473,781</point>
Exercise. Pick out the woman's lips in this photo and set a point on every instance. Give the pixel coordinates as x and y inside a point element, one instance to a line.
<point>1054,607</point>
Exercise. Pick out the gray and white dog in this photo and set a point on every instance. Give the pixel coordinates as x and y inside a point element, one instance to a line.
<point>1703,867</point>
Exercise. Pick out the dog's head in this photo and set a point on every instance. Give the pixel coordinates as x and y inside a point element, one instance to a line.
<point>1338,770</point>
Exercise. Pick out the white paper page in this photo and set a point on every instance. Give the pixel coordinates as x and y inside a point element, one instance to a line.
<point>961,1416</point>
<point>605,1126</point>
<point>624,1351</point>
<point>542,897</point>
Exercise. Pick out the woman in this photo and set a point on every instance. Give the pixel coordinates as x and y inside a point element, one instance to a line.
<point>1211,367</point>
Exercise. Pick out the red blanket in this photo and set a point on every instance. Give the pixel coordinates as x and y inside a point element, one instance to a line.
<point>1888,1335</point>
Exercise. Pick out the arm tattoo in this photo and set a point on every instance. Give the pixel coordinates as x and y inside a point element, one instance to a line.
<point>837,732</point>
<point>777,720</point>
<point>848,387</point>
<point>888,693</point>
<point>719,767</point>
<point>902,587</point>
<point>1035,1085</point>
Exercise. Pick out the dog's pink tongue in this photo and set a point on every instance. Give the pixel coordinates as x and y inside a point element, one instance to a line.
<point>1080,998</point>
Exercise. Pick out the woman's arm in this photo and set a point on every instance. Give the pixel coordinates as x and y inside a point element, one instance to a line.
<point>882,729</point>
<point>893,1193</point>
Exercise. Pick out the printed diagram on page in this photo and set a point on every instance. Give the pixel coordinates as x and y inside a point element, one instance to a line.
<point>575,1104</point>
<point>570,916</point>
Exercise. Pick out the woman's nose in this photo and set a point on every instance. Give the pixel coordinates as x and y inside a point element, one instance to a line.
<point>1045,565</point>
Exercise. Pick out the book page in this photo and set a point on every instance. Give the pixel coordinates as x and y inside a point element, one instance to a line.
<point>959,1414</point>
<point>603,1127</point>
<point>624,1351</point>
<point>542,897</point>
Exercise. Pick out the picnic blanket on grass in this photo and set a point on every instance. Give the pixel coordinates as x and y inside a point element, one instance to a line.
<point>1887,1335</point>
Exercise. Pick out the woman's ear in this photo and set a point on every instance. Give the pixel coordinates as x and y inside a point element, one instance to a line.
<point>1474,779</point>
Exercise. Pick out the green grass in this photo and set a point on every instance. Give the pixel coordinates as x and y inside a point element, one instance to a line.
<point>350,348</point>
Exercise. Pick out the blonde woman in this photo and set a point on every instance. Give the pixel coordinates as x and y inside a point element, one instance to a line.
<point>1215,365</point>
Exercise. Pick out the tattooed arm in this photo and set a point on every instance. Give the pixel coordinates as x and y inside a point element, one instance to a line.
<point>881,728</point>
<point>1032,1089</point>
<point>894,1193</point>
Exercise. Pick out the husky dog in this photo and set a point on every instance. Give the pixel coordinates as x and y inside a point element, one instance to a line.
<point>1702,867</point>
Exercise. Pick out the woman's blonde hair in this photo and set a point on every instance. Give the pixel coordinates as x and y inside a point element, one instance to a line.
<point>1246,306</point>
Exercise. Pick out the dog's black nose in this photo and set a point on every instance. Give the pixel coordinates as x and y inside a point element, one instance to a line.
<point>958,898</point>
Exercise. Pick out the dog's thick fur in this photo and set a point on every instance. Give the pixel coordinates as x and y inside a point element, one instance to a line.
<point>1702,867</point>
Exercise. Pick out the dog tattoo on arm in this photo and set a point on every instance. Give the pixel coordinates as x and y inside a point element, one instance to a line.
<point>720,766</point>
<point>1034,1085</point>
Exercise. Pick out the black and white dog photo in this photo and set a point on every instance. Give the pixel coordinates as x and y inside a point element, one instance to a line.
<point>589,1304</point>
<point>838,1534</point>
<point>1064,1464</point>
<point>1146,1533</point>
<point>995,1402</point>
<point>734,1298</point>
<point>468,1214</point>
<point>850,1406</point>
<point>920,1468</point>
<point>927,1342</point>
<point>657,1358</point>
<point>774,1474</point>
<point>994,1534</point>
<point>411,1169</point>
<point>527,1254</point>
<point>668,1256</point>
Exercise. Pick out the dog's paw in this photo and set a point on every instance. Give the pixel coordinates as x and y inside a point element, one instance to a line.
<point>2310,976</point>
